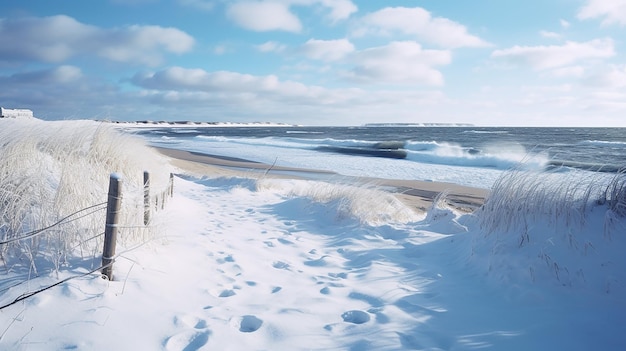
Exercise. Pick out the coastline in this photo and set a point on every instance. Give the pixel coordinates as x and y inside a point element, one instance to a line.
<point>417,194</point>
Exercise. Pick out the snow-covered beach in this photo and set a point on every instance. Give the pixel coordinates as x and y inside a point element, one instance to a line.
<point>242,260</point>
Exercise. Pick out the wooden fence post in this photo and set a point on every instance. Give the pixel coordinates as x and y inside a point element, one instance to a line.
<point>110,230</point>
<point>146,197</point>
<point>171,184</point>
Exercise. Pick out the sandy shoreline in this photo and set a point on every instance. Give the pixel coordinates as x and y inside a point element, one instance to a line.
<point>415,193</point>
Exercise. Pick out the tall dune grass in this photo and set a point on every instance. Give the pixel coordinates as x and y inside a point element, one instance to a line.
<point>49,170</point>
<point>363,202</point>
<point>564,227</point>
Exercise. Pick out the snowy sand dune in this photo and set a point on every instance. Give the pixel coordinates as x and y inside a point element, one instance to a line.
<point>243,261</point>
<point>242,269</point>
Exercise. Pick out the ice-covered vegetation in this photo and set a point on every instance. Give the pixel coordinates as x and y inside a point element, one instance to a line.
<point>364,202</point>
<point>568,228</point>
<point>52,170</point>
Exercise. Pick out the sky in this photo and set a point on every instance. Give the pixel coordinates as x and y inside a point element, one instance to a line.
<point>317,62</point>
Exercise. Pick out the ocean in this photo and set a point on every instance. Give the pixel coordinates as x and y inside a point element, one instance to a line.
<point>472,156</point>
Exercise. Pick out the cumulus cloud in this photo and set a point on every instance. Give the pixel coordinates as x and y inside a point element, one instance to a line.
<point>419,23</point>
<point>554,56</point>
<point>142,44</point>
<point>270,15</point>
<point>58,38</point>
<point>263,16</point>
<point>271,46</point>
<point>399,62</point>
<point>339,9</point>
<point>611,11</point>
<point>186,79</point>
<point>234,94</point>
<point>59,93</point>
<point>327,50</point>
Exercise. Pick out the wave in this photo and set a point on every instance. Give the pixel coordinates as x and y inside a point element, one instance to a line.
<point>486,131</point>
<point>302,143</point>
<point>603,143</point>
<point>497,156</point>
<point>302,132</point>
<point>592,167</point>
<point>500,156</point>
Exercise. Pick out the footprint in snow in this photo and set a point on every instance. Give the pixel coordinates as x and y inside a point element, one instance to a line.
<point>188,340</point>
<point>356,317</point>
<point>228,258</point>
<point>250,324</point>
<point>285,241</point>
<point>280,265</point>
<point>227,293</point>
<point>190,321</point>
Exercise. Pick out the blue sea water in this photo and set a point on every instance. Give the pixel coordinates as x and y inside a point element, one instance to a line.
<point>473,156</point>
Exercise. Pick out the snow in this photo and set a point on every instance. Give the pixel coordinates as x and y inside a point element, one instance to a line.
<point>241,266</point>
<point>254,263</point>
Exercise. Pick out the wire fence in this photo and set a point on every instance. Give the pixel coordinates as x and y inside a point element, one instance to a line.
<point>152,202</point>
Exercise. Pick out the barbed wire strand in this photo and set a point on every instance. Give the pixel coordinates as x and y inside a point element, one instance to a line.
<point>26,295</point>
<point>39,231</point>
<point>113,259</point>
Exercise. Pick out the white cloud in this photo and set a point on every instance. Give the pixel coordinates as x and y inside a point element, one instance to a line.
<point>182,85</point>
<point>339,9</point>
<point>58,38</point>
<point>569,71</point>
<point>613,76</point>
<point>554,56</point>
<point>419,23</point>
<point>270,15</point>
<point>263,16</point>
<point>399,62</point>
<point>327,50</point>
<point>611,11</point>
<point>48,39</point>
<point>185,79</point>
<point>271,46</point>
<point>141,44</point>
<point>549,35</point>
<point>564,23</point>
<point>231,96</point>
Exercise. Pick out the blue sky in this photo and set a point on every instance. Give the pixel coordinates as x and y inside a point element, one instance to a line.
<point>318,62</point>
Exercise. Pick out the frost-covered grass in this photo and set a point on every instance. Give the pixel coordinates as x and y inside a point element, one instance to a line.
<point>365,202</point>
<point>564,227</point>
<point>49,170</point>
